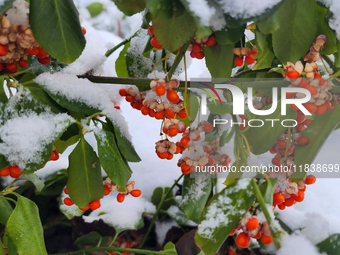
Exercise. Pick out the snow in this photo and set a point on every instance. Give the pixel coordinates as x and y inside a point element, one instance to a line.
<point>297,245</point>
<point>18,13</point>
<point>121,216</point>
<point>334,22</point>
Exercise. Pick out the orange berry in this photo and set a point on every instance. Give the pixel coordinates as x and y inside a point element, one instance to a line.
<point>211,41</point>
<point>317,76</point>
<point>238,61</point>
<point>154,42</point>
<point>84,30</point>
<point>182,114</point>
<point>300,116</point>
<point>307,122</point>
<point>173,131</point>
<point>233,232</point>
<point>294,107</point>
<point>303,83</point>
<point>160,90</point>
<point>152,113</point>
<point>68,201</point>
<point>185,141</point>
<point>243,240</point>
<point>129,99</point>
<point>199,55</point>
<point>185,169</point>
<point>303,140</point>
<point>15,171</point>
<point>289,201</point>
<point>281,143</point>
<point>322,82</point>
<point>172,96</point>
<point>211,161</point>
<point>257,236</point>
<point>313,91</point>
<point>44,61</point>
<point>292,74</point>
<point>94,205</point>
<point>290,94</point>
<point>197,47</point>
<point>5,171</point>
<point>208,127</point>
<point>278,198</point>
<point>163,155</point>
<point>249,60</point>
<point>136,193</point>
<point>170,156</point>
<point>3,50</point>
<point>33,51</point>
<point>106,190</point>
<point>123,92</point>
<point>266,239</point>
<point>321,109</point>
<point>275,161</point>
<point>192,54</point>
<point>300,127</point>
<point>310,179</point>
<point>23,63</point>
<point>273,150</point>
<point>159,115</point>
<point>230,252</point>
<point>299,197</point>
<point>65,190</point>
<point>282,206</point>
<point>54,156</point>
<point>310,107</point>
<point>252,223</point>
<point>86,208</point>
<point>120,197</point>
<point>169,113</point>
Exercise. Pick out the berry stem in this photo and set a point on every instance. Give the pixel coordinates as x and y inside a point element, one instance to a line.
<point>9,199</point>
<point>247,144</point>
<point>114,238</point>
<point>156,213</point>
<point>109,52</point>
<point>275,235</point>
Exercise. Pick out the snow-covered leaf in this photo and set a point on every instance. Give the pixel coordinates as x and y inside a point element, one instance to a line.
<point>222,214</point>
<point>330,245</point>
<point>56,26</point>
<point>85,182</point>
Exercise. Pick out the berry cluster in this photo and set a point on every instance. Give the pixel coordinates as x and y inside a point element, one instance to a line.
<point>109,186</point>
<point>246,53</point>
<point>121,243</point>
<point>252,227</point>
<point>197,45</point>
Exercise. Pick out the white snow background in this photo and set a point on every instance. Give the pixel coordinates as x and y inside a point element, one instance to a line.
<point>319,212</point>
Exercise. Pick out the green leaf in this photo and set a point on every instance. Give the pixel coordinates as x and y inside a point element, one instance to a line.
<point>3,162</point>
<point>222,214</point>
<point>173,33</point>
<point>267,190</point>
<point>330,46</point>
<point>195,193</point>
<point>125,146</point>
<point>39,185</point>
<point>85,182</point>
<point>56,26</point>
<point>330,245</point>
<point>130,7</point>
<point>192,108</point>
<point>3,97</point>
<point>261,139</point>
<point>54,184</point>
<point>160,9</point>
<point>2,252</point>
<point>95,9</point>
<point>220,109</point>
<point>11,249</point>
<point>265,55</point>
<point>269,25</point>
<point>111,160</point>
<point>219,60</point>
<point>62,145</point>
<point>25,229</point>
<point>169,249</point>
<point>93,238</point>
<point>121,66</point>
<point>230,35</point>
<point>156,198</point>
<point>5,209</point>
<point>5,6</point>
<point>299,22</point>
<point>317,133</point>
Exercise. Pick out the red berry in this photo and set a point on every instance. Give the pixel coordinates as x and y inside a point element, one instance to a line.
<point>293,74</point>
<point>159,115</point>
<point>94,205</point>
<point>299,197</point>
<point>275,161</point>
<point>5,171</point>
<point>238,61</point>
<point>145,110</point>
<point>182,114</point>
<point>317,76</point>
<point>3,50</point>
<point>249,60</point>
<point>15,172</point>
<point>54,156</point>
<point>154,42</point>
<point>120,197</point>
<point>310,107</point>
<point>303,84</point>
<point>68,201</point>
<point>266,239</point>
<point>12,68</point>
<point>33,51</point>
<point>208,127</point>
<point>303,140</point>
<point>123,92</point>
<point>150,31</point>
<point>173,131</point>
<point>242,240</point>
<point>106,190</point>
<point>211,41</point>
<point>197,48</point>
<point>136,193</point>
<point>321,109</point>
<point>44,61</point>
<point>23,64</point>
<point>84,30</point>
<point>199,55</point>
<point>192,54</point>
<point>310,179</point>
<point>42,53</point>
<point>169,113</point>
<point>185,141</point>
<point>86,208</point>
